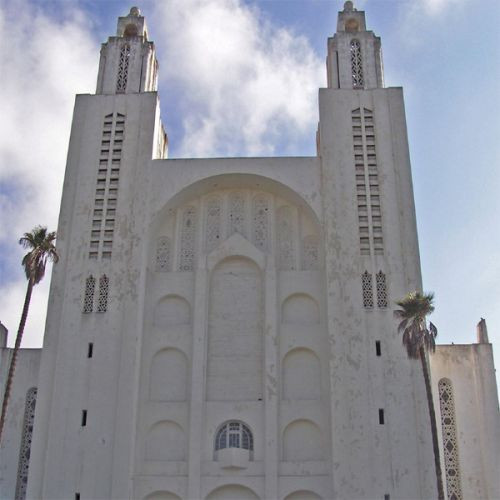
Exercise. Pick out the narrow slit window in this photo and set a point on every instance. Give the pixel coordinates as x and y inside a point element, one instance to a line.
<point>381,418</point>
<point>90,350</point>
<point>378,348</point>
<point>84,418</point>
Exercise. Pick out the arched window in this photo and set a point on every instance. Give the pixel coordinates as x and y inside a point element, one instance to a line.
<point>450,441</point>
<point>381,290</point>
<point>234,435</point>
<point>121,81</point>
<point>356,65</point>
<point>24,452</point>
<point>88,299</point>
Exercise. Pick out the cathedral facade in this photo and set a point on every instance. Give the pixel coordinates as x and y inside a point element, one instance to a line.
<point>222,328</point>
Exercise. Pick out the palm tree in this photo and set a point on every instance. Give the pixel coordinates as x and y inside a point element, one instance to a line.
<point>41,249</point>
<point>418,340</point>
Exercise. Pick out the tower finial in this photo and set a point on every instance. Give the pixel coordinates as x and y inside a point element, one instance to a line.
<point>349,6</point>
<point>134,11</point>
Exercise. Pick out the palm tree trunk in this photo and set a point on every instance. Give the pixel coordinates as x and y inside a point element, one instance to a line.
<point>17,345</point>
<point>432,415</point>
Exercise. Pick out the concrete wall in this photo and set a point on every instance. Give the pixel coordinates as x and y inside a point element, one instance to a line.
<point>25,378</point>
<point>471,371</point>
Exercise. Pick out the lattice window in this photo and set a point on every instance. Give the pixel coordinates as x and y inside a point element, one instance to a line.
<point>188,237</point>
<point>260,219</point>
<point>213,224</point>
<point>88,298</point>
<point>27,436</point>
<point>381,289</point>
<point>163,254</point>
<point>121,81</point>
<point>236,216</point>
<point>367,287</point>
<point>102,303</point>
<point>450,442</point>
<point>310,253</point>
<point>234,435</point>
<point>285,233</point>
<point>356,65</point>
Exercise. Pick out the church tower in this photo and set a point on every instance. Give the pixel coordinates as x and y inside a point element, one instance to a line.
<point>222,328</point>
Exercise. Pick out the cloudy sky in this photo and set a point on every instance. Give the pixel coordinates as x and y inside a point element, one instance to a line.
<point>240,78</point>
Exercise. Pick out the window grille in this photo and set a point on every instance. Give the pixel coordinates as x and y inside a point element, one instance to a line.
<point>188,235</point>
<point>236,222</point>
<point>450,442</point>
<point>27,436</point>
<point>213,224</point>
<point>310,253</point>
<point>88,299</point>
<point>367,287</point>
<point>381,290</point>
<point>163,254</point>
<point>286,250</point>
<point>234,435</point>
<point>356,65</point>
<point>102,304</point>
<point>121,81</point>
<point>260,222</point>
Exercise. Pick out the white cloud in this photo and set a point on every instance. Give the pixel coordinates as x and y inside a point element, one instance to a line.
<point>246,84</point>
<point>46,63</point>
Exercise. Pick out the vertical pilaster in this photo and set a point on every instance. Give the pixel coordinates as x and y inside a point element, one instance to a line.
<point>271,386</point>
<point>197,406</point>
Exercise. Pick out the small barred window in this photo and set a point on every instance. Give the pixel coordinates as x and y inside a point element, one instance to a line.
<point>260,222</point>
<point>26,438</point>
<point>188,236</point>
<point>367,287</point>
<point>102,304</point>
<point>88,299</point>
<point>356,65</point>
<point>163,254</point>
<point>234,435</point>
<point>381,290</point>
<point>450,441</point>
<point>121,81</point>
<point>310,253</point>
<point>213,224</point>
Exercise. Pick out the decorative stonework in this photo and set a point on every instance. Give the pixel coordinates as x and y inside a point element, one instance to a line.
<point>123,63</point>
<point>285,233</point>
<point>260,221</point>
<point>450,442</point>
<point>356,65</point>
<point>213,224</point>
<point>310,253</point>
<point>367,288</point>
<point>188,237</point>
<point>236,215</point>
<point>24,452</point>
<point>163,254</point>
<point>88,298</point>
<point>381,290</point>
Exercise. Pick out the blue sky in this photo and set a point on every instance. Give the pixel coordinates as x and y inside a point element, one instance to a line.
<point>241,78</point>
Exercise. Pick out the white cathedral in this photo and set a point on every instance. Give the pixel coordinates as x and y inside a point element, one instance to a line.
<point>223,328</point>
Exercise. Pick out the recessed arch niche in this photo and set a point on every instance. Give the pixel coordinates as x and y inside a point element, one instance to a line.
<point>301,375</point>
<point>300,309</point>
<point>166,441</point>
<point>168,380</point>
<point>302,495</point>
<point>162,495</point>
<point>302,442</point>
<point>232,492</point>
<point>172,310</point>
<point>235,337</point>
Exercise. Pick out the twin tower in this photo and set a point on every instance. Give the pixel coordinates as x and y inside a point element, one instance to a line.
<point>223,328</point>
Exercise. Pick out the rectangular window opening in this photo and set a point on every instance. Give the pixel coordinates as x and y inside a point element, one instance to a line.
<point>84,418</point>
<point>77,496</point>
<point>90,350</point>
<point>387,497</point>
<point>378,348</point>
<point>381,419</point>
